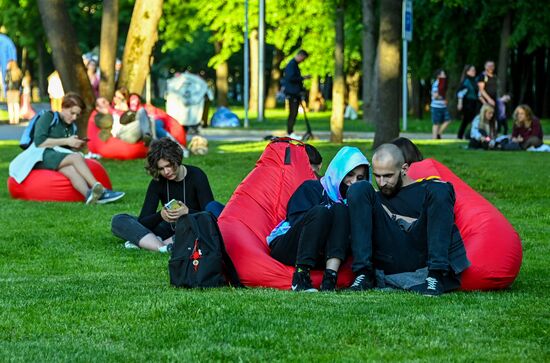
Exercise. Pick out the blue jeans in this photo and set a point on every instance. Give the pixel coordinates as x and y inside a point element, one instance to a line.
<point>160,130</point>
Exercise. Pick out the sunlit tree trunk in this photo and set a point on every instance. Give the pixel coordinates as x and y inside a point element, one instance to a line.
<point>313,91</point>
<point>141,38</point>
<point>339,87</point>
<point>67,57</point>
<point>352,80</point>
<point>41,50</point>
<point>253,101</point>
<point>108,47</point>
<point>388,67</point>
<point>271,99</point>
<point>369,50</point>
<point>222,74</point>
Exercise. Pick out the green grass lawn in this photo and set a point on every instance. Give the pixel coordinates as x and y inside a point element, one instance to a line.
<point>71,292</point>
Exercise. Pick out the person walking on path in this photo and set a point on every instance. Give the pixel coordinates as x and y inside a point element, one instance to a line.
<point>293,88</point>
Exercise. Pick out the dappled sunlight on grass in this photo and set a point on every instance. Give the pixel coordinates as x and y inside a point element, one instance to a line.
<point>439,142</point>
<point>239,147</point>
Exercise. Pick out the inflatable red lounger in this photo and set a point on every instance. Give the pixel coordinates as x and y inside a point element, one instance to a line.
<point>257,206</point>
<point>115,148</point>
<point>52,186</point>
<point>492,245</point>
<point>259,203</point>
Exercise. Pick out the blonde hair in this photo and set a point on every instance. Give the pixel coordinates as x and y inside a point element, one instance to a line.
<point>487,124</point>
<point>528,116</point>
<point>15,71</point>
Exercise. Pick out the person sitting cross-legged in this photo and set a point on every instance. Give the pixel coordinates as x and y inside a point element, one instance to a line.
<point>315,233</point>
<point>405,227</point>
<point>186,184</point>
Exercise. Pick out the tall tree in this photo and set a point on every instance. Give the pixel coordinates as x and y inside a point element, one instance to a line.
<point>369,50</point>
<point>222,75</point>
<point>108,48</point>
<point>388,66</point>
<point>339,87</point>
<point>142,36</point>
<point>253,95</point>
<point>275,78</point>
<point>66,54</point>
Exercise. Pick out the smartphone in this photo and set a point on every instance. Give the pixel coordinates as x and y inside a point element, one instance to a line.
<point>172,205</point>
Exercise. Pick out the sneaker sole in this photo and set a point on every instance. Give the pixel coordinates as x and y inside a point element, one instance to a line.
<point>109,200</point>
<point>97,191</point>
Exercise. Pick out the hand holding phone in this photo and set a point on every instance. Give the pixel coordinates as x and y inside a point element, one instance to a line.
<point>172,205</point>
<point>84,139</point>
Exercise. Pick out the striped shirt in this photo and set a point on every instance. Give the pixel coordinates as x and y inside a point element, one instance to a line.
<point>437,103</point>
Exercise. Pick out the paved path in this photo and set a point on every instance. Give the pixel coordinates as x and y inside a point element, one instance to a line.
<point>13,132</point>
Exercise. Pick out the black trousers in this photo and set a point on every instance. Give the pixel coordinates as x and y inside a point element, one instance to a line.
<point>321,234</point>
<point>394,246</point>
<point>469,111</point>
<point>293,106</point>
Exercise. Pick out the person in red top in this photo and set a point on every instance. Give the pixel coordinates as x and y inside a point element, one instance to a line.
<point>527,130</point>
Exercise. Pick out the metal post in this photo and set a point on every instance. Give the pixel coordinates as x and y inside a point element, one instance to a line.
<point>246,65</point>
<point>404,76</point>
<point>261,65</point>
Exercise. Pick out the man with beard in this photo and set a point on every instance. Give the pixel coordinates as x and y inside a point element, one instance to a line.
<point>405,227</point>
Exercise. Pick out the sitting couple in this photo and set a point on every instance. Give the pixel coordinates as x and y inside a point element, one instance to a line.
<point>402,236</point>
<point>130,123</point>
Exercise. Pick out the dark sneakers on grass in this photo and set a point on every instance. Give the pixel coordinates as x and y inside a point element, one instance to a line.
<point>301,281</point>
<point>329,280</point>
<point>433,285</point>
<point>363,282</point>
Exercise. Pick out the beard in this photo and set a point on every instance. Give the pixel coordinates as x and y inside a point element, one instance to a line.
<point>391,190</point>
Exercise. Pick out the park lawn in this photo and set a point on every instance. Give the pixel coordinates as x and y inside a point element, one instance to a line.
<point>71,292</point>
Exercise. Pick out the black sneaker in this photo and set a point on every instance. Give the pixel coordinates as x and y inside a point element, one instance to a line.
<point>329,281</point>
<point>301,281</point>
<point>432,287</point>
<point>362,282</point>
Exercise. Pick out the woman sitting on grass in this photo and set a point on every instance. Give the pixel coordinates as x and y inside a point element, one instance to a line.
<point>185,184</point>
<point>52,149</point>
<point>483,132</point>
<point>316,230</point>
<point>527,130</point>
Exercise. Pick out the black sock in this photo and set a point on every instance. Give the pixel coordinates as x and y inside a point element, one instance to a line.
<point>301,268</point>
<point>330,272</point>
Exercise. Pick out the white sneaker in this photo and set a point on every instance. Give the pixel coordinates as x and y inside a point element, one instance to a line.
<point>94,193</point>
<point>129,245</point>
<point>294,136</point>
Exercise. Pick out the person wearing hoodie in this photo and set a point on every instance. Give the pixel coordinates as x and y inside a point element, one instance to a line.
<point>315,233</point>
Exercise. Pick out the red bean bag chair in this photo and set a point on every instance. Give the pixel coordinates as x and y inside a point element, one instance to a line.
<point>259,203</point>
<point>492,245</point>
<point>52,186</point>
<point>115,148</point>
<point>257,206</point>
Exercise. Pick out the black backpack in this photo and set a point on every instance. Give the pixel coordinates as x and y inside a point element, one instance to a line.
<point>199,258</point>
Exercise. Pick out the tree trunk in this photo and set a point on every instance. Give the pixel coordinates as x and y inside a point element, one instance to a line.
<point>253,101</point>
<point>42,87</point>
<point>352,80</point>
<point>540,78</point>
<point>271,99</point>
<point>503,54</point>
<point>222,74</point>
<point>313,92</point>
<point>339,87</point>
<point>369,50</point>
<point>108,47</point>
<point>67,57</point>
<point>141,38</point>
<point>388,67</point>
<point>546,101</point>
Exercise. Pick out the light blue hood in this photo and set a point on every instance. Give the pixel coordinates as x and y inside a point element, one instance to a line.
<point>347,159</point>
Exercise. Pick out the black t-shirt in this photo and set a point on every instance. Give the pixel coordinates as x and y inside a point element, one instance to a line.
<point>408,201</point>
<point>307,196</point>
<point>490,84</point>
<point>197,195</point>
